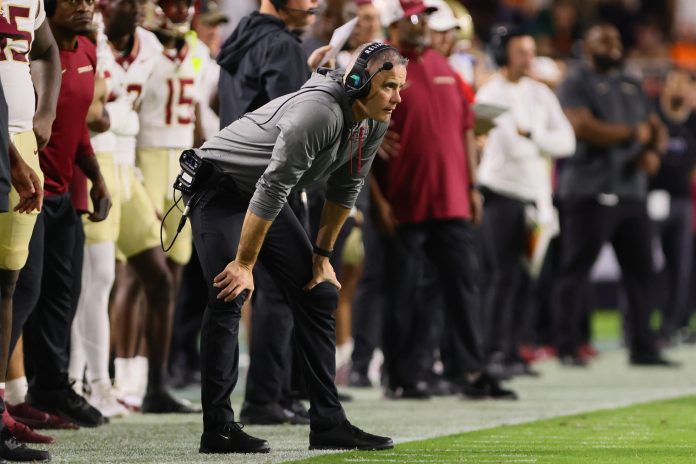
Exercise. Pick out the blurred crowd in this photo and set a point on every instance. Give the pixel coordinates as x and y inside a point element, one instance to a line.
<point>532,136</point>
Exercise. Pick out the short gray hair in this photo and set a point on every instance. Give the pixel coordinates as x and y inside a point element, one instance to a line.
<point>376,61</point>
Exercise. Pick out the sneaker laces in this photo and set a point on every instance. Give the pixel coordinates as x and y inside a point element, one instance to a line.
<point>230,427</point>
<point>73,398</point>
<point>355,431</point>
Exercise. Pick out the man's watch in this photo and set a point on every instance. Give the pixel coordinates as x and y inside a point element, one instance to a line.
<point>322,252</point>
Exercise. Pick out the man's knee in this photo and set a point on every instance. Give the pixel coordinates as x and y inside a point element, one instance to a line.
<point>324,296</point>
<point>221,308</point>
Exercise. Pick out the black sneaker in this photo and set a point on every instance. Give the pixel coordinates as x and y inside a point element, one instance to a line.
<point>346,436</point>
<point>14,450</point>
<point>265,414</point>
<point>299,411</point>
<point>229,438</point>
<point>64,402</point>
<point>486,386</point>
<point>164,403</point>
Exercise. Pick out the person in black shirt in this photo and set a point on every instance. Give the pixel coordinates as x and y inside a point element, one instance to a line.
<point>602,193</point>
<point>672,184</point>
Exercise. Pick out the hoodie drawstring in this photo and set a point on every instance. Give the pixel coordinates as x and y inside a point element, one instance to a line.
<point>360,141</point>
<point>350,137</point>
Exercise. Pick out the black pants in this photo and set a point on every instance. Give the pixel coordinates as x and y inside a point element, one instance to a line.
<point>44,302</point>
<point>368,307</point>
<point>585,226</point>
<point>287,254</point>
<point>675,236</point>
<point>449,246</point>
<point>504,230</point>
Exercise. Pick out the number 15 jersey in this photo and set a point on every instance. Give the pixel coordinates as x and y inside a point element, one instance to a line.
<point>167,109</point>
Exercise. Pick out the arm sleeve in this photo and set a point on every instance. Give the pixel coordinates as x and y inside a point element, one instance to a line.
<point>40,14</point>
<point>306,129</point>
<point>343,186</point>
<point>554,136</point>
<point>285,69</point>
<point>84,147</point>
<point>124,121</point>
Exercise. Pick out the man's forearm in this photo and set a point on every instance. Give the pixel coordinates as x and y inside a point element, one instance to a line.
<point>253,234</point>
<point>332,218</point>
<point>90,167</point>
<point>45,71</point>
<point>14,155</point>
<point>595,131</point>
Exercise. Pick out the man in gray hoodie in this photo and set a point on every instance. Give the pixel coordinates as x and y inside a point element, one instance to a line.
<point>328,129</point>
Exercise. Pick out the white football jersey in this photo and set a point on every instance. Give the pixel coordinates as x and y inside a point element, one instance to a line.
<point>167,110</point>
<point>104,142</point>
<point>127,79</point>
<point>18,21</point>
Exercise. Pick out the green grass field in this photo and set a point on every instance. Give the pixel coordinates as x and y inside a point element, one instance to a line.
<point>657,432</point>
<point>544,426</point>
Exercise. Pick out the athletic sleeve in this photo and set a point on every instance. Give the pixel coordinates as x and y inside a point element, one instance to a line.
<point>306,129</point>
<point>40,14</point>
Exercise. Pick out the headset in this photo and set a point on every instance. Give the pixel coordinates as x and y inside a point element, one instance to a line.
<point>500,38</point>
<point>357,84</point>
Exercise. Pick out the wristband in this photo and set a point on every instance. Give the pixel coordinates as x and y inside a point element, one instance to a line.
<point>322,252</point>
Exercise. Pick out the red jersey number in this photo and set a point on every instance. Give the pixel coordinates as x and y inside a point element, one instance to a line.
<point>179,101</point>
<point>15,43</point>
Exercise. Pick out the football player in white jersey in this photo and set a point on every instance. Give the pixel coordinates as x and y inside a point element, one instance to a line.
<point>29,63</point>
<point>168,113</point>
<point>135,51</point>
<point>90,340</point>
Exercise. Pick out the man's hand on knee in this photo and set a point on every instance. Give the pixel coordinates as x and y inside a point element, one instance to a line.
<point>322,271</point>
<point>233,280</point>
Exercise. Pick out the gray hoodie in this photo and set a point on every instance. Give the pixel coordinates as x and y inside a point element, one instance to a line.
<point>295,140</point>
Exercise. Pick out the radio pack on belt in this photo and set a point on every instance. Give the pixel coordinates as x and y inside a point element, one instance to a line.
<point>194,171</point>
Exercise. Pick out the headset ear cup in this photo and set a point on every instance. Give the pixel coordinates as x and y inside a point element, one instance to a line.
<point>501,58</point>
<point>354,83</point>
